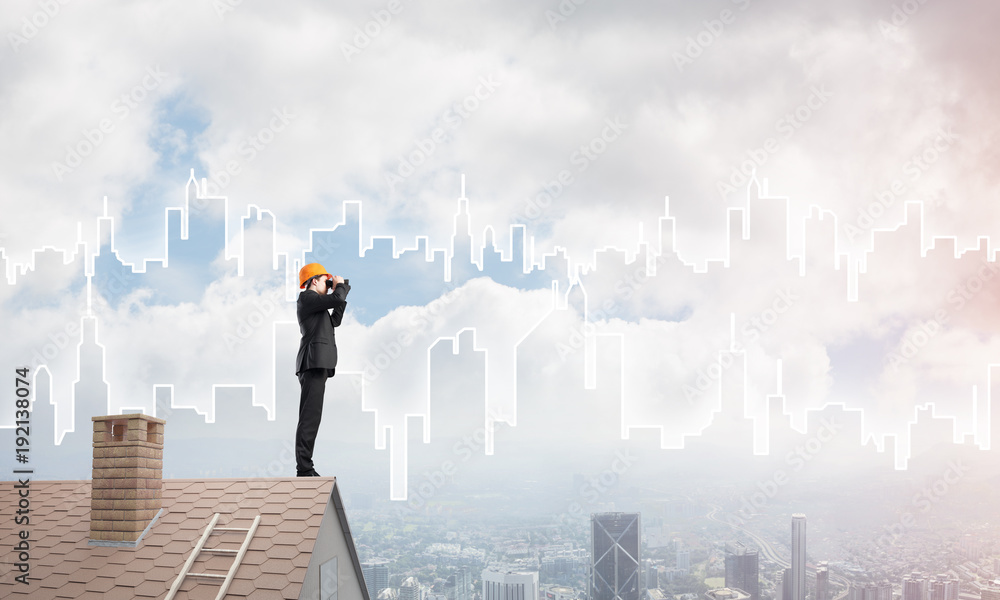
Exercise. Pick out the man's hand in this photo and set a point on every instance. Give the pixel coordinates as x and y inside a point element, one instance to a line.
<point>337,279</point>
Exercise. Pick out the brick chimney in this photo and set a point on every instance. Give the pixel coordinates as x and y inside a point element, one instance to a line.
<point>127,487</point>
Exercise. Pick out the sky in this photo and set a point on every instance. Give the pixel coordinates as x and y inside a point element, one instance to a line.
<point>858,138</point>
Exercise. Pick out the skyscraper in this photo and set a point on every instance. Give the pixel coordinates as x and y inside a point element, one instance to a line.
<point>509,585</point>
<point>785,589</point>
<point>942,587</point>
<point>798,557</point>
<point>456,586</point>
<point>969,546</point>
<point>870,590</point>
<point>376,573</point>
<point>652,582</point>
<point>615,556</point>
<point>914,586</point>
<point>880,591</point>
<point>684,560</point>
<point>822,582</point>
<point>989,592</point>
<point>410,589</point>
<point>742,569</point>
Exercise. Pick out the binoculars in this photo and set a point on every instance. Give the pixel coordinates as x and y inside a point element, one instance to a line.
<point>329,283</point>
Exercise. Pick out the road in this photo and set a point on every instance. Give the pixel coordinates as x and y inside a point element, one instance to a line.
<point>768,551</point>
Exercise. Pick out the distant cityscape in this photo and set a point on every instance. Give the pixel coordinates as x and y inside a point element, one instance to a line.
<point>625,560</point>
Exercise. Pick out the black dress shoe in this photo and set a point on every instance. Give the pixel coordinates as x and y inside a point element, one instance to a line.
<point>310,473</point>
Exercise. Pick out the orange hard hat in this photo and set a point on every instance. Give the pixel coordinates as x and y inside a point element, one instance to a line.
<point>309,271</point>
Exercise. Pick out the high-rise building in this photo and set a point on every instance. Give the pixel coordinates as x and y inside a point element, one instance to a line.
<point>652,581</point>
<point>799,557</point>
<point>742,571</point>
<point>456,586</point>
<point>615,573</point>
<point>684,560</point>
<point>784,591</point>
<point>942,587</point>
<point>376,573</point>
<point>990,592</point>
<point>822,582</point>
<point>410,589</point>
<point>881,591</point>
<point>509,585</point>
<point>914,586</point>
<point>870,591</point>
<point>969,546</point>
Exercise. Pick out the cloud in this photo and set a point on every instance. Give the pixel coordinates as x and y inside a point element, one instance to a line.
<point>834,112</point>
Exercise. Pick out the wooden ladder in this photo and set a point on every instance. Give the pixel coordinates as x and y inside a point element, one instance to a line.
<point>200,547</point>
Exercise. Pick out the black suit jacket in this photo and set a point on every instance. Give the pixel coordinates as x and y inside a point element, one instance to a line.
<point>318,348</point>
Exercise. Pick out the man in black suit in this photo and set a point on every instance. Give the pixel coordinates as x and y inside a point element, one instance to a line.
<point>317,358</point>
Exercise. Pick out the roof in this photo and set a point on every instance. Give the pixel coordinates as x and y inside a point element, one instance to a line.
<point>64,565</point>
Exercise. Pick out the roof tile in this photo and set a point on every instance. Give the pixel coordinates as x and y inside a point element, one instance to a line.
<point>289,539</point>
<point>206,503</point>
<point>119,593</point>
<point>290,511</point>
<point>291,527</point>
<point>177,547</point>
<point>150,589</point>
<point>82,574</point>
<point>172,561</point>
<point>261,594</point>
<point>306,546</point>
<point>299,514</point>
<point>140,565</point>
<point>254,558</point>
<point>163,573</point>
<point>248,571</point>
<point>241,587</point>
<point>239,487</point>
<point>44,593</point>
<point>281,551</point>
<point>273,508</point>
<point>263,535</point>
<point>71,590</point>
<point>130,579</point>
<point>291,591</point>
<point>194,488</point>
<point>101,584</point>
<point>271,581</point>
<point>277,566</point>
<point>300,503</point>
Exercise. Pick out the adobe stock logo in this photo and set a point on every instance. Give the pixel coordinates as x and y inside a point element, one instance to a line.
<point>712,31</point>
<point>581,158</point>
<point>785,129</point>
<point>594,488</point>
<point>924,500</point>
<point>366,34</point>
<point>33,25</point>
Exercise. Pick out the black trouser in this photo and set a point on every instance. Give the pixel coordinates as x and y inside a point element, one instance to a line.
<point>313,382</point>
